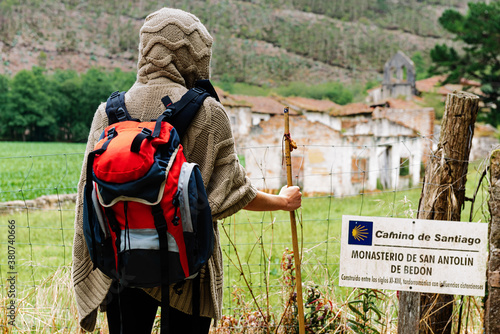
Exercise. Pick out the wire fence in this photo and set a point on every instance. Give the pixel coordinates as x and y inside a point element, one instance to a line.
<point>38,193</point>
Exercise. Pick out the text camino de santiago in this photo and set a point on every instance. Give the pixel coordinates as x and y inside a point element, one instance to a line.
<point>426,237</point>
<point>423,258</point>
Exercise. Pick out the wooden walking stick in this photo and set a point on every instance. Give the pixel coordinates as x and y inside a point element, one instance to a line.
<point>289,145</point>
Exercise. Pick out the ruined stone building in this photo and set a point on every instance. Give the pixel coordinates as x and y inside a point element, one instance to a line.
<point>342,149</point>
<point>399,79</point>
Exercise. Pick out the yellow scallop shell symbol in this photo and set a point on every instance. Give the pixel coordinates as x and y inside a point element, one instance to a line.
<point>359,233</point>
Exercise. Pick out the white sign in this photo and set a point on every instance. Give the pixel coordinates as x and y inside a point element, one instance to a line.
<point>414,255</point>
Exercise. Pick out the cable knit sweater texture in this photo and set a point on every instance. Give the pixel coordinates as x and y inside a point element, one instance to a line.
<point>174,52</point>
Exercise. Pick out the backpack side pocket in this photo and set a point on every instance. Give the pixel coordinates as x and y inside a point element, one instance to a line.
<point>196,217</point>
<point>97,235</point>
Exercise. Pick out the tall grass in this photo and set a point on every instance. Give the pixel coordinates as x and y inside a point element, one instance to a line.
<point>262,238</point>
<point>256,246</point>
<point>44,241</point>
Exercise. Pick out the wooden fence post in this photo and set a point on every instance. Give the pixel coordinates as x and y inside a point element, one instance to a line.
<point>409,312</point>
<point>443,194</point>
<point>492,305</point>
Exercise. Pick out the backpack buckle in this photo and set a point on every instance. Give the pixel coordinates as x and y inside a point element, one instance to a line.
<point>120,114</point>
<point>112,133</point>
<point>114,94</point>
<point>169,112</point>
<point>147,131</point>
<point>198,90</point>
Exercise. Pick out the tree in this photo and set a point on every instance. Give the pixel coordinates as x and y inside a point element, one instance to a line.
<point>121,80</point>
<point>95,88</point>
<point>66,87</point>
<point>479,59</point>
<point>4,89</point>
<point>420,66</point>
<point>28,109</point>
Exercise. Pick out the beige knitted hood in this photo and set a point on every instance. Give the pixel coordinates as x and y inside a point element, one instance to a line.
<point>176,45</point>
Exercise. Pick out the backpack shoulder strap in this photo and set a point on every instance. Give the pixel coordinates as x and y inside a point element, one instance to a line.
<point>188,106</point>
<point>116,109</point>
<point>202,84</point>
<point>207,85</point>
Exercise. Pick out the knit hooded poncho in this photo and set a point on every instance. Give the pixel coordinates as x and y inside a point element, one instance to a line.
<point>174,52</point>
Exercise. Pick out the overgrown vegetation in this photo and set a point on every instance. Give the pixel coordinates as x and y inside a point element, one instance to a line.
<point>59,106</point>
<point>260,42</point>
<point>367,314</point>
<point>479,59</point>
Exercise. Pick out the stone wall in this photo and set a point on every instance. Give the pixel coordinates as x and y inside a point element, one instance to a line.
<point>40,203</point>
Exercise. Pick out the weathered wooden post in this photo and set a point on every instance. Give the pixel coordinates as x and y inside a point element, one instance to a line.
<point>443,194</point>
<point>409,312</point>
<point>492,305</point>
<point>289,145</point>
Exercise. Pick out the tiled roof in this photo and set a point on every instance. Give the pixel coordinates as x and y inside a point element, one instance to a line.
<point>467,82</point>
<point>433,85</point>
<point>261,104</point>
<point>485,130</point>
<point>429,85</point>
<point>221,93</point>
<point>307,104</point>
<point>352,109</point>
<point>402,104</point>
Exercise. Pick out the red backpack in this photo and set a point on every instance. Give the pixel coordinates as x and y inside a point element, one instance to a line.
<point>147,220</point>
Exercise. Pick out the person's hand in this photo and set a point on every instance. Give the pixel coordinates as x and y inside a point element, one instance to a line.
<point>292,196</point>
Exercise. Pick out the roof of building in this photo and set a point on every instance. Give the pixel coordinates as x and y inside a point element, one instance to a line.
<point>434,85</point>
<point>352,109</point>
<point>468,82</point>
<point>306,104</point>
<point>262,104</point>
<point>399,103</point>
<point>485,130</point>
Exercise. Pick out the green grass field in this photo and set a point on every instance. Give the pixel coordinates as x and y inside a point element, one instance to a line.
<point>30,170</point>
<point>253,243</point>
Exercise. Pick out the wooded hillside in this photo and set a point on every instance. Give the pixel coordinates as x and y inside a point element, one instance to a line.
<point>261,42</point>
